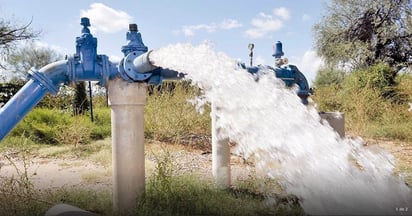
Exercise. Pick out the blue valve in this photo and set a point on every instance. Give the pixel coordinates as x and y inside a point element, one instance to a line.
<point>85,64</point>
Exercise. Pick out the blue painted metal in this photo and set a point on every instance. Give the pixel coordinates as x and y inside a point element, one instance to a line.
<point>136,65</point>
<point>132,50</point>
<point>20,105</point>
<point>41,82</point>
<point>84,65</point>
<point>290,74</point>
<point>278,50</point>
<point>135,42</point>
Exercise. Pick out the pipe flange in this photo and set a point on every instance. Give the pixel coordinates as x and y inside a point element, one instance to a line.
<point>128,67</point>
<point>44,81</point>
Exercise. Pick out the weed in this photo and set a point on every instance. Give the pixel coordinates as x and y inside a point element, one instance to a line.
<point>170,117</point>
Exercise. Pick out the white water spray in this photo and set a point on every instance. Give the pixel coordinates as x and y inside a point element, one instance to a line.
<point>328,174</point>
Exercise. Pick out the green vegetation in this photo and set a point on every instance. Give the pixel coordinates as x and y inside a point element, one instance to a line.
<point>373,107</point>
<point>168,117</point>
<point>363,33</point>
<point>166,194</point>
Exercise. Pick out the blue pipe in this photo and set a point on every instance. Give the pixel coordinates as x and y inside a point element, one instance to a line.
<point>84,65</point>
<point>47,79</point>
<point>137,66</point>
<point>289,74</point>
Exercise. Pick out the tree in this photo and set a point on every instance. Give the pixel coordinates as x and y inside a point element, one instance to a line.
<point>23,58</point>
<point>11,33</point>
<point>361,33</point>
<point>329,75</point>
<point>81,104</point>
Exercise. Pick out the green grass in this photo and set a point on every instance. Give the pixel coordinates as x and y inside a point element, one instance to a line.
<point>166,194</point>
<point>372,108</point>
<point>170,117</point>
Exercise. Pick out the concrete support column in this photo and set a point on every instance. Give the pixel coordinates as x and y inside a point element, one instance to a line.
<point>336,120</point>
<point>220,154</point>
<point>127,102</point>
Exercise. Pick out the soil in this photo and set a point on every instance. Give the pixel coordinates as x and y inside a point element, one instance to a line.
<point>49,173</point>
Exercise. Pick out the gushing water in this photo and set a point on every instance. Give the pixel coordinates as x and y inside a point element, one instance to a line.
<point>328,174</point>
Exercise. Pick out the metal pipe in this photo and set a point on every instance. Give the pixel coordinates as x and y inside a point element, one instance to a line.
<point>142,64</point>
<point>220,154</point>
<point>127,100</point>
<point>45,80</point>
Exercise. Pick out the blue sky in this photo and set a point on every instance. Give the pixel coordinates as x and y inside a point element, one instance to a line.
<point>229,25</point>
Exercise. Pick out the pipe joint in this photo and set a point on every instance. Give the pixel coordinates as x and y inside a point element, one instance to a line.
<point>138,66</point>
<point>101,70</point>
<point>139,71</point>
<point>44,81</point>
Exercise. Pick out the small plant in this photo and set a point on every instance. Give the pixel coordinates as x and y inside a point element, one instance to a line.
<point>17,193</point>
<point>170,117</point>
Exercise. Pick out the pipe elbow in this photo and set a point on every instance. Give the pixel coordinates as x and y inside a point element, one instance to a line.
<point>51,75</point>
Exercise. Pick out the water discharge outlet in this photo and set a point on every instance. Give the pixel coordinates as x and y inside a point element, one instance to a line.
<point>126,82</point>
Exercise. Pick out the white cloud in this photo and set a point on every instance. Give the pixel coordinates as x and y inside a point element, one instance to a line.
<point>263,25</point>
<point>309,64</point>
<point>259,60</point>
<point>190,30</point>
<point>305,17</point>
<point>226,24</point>
<point>282,12</point>
<point>106,19</point>
<point>115,58</point>
<point>230,24</point>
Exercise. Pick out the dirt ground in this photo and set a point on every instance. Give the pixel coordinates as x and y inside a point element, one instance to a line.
<point>95,171</point>
<point>55,172</point>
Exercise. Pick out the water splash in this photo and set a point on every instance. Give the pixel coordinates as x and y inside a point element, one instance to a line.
<point>330,175</point>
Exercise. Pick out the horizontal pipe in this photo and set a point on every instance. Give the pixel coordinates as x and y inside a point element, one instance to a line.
<point>142,63</point>
<point>41,82</point>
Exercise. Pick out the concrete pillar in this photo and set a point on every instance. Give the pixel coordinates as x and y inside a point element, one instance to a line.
<point>220,154</point>
<point>336,120</point>
<point>127,102</point>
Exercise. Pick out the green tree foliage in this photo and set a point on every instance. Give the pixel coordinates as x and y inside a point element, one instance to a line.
<point>8,90</point>
<point>328,76</point>
<point>368,112</point>
<point>361,33</point>
<point>81,103</point>
<point>32,55</point>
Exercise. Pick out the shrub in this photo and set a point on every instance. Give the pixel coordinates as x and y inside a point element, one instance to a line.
<point>170,117</point>
<point>102,123</point>
<point>41,125</point>
<point>373,106</point>
<point>54,126</point>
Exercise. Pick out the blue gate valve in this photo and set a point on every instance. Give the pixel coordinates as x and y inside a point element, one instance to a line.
<point>85,64</point>
<point>136,65</point>
<point>290,74</point>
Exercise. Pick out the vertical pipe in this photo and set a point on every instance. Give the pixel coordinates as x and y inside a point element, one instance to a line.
<point>127,102</point>
<point>18,107</point>
<point>91,101</point>
<point>220,154</point>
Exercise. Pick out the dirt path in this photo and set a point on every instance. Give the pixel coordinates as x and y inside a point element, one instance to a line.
<point>89,172</point>
<point>49,173</point>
